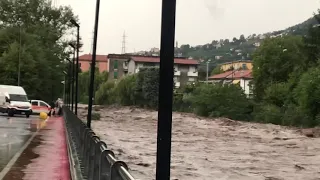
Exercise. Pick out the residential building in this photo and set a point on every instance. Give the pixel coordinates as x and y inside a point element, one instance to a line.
<point>241,77</point>
<point>86,59</point>
<point>240,64</point>
<point>185,70</point>
<point>118,65</point>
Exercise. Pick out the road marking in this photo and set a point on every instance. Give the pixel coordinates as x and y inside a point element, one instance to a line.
<point>13,160</point>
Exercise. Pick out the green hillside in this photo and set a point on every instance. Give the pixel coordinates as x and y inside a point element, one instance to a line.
<point>242,47</point>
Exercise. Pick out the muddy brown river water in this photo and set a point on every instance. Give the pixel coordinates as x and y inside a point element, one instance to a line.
<point>207,149</point>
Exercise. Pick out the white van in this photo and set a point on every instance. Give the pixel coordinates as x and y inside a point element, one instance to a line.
<point>14,100</point>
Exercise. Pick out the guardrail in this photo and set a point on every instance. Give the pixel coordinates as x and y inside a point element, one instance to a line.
<point>96,161</point>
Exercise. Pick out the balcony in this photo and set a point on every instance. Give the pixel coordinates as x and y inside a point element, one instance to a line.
<point>125,66</point>
<point>177,73</point>
<point>193,74</point>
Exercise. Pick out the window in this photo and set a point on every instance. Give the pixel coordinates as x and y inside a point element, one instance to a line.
<point>191,79</point>
<point>244,66</point>
<point>115,64</point>
<point>34,103</point>
<point>18,97</point>
<point>115,75</point>
<point>43,104</point>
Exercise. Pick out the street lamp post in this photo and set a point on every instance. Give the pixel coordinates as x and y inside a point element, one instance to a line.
<point>93,63</point>
<point>77,64</point>
<point>165,90</point>
<point>69,83</point>
<point>73,74</point>
<point>64,86</point>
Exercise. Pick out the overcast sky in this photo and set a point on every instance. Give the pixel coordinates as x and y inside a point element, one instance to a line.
<point>197,21</point>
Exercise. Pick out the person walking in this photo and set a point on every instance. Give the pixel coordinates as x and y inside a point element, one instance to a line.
<point>59,106</point>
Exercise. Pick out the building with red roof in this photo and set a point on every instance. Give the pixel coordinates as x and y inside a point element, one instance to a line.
<point>241,77</point>
<point>85,62</point>
<point>185,70</point>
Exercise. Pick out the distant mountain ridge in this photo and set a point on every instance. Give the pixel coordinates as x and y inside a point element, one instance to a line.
<point>227,50</point>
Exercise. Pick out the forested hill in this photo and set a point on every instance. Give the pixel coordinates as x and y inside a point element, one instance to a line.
<point>242,47</point>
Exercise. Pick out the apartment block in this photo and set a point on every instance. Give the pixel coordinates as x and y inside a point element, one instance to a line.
<point>185,70</point>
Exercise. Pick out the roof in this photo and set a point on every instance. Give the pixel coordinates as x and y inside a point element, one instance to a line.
<point>88,57</point>
<point>237,61</point>
<point>236,74</point>
<point>156,59</point>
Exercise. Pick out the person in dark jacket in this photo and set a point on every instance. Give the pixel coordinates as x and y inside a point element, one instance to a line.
<point>52,111</point>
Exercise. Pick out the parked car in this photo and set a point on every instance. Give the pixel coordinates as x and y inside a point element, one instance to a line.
<point>39,106</point>
<point>14,100</point>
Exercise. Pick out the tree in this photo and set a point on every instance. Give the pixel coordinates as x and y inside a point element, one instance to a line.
<point>276,61</point>
<point>307,95</point>
<point>221,101</point>
<point>216,70</point>
<point>42,29</point>
<point>312,42</point>
<point>242,38</point>
<point>125,90</point>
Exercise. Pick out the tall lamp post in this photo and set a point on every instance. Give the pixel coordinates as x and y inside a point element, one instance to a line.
<point>77,63</point>
<point>93,63</point>
<point>73,74</point>
<point>64,86</point>
<point>165,90</point>
<point>69,77</point>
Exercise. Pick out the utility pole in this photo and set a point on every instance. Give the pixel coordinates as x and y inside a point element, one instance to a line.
<point>77,63</point>
<point>164,132</point>
<point>93,64</point>
<point>19,57</point>
<point>123,51</point>
<point>73,78</point>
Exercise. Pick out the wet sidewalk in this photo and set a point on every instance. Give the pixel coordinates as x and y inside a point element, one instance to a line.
<point>46,157</point>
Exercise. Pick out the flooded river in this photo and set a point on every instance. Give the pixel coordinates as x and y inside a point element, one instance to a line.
<point>206,149</point>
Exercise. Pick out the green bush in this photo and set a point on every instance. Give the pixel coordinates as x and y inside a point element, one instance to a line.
<point>221,101</point>
<point>268,113</point>
<point>150,87</point>
<point>125,90</point>
<point>106,93</point>
<point>307,95</point>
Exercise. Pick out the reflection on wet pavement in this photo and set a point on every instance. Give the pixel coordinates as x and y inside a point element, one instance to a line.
<point>14,132</point>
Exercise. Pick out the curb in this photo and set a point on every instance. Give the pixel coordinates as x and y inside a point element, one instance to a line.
<point>73,158</point>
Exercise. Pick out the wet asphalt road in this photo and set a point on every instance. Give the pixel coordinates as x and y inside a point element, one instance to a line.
<point>14,132</point>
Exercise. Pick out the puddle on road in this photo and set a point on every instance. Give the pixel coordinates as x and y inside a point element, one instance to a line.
<point>16,172</point>
<point>13,138</point>
<point>8,150</point>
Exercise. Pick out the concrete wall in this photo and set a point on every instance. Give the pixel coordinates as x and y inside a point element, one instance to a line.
<point>244,84</point>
